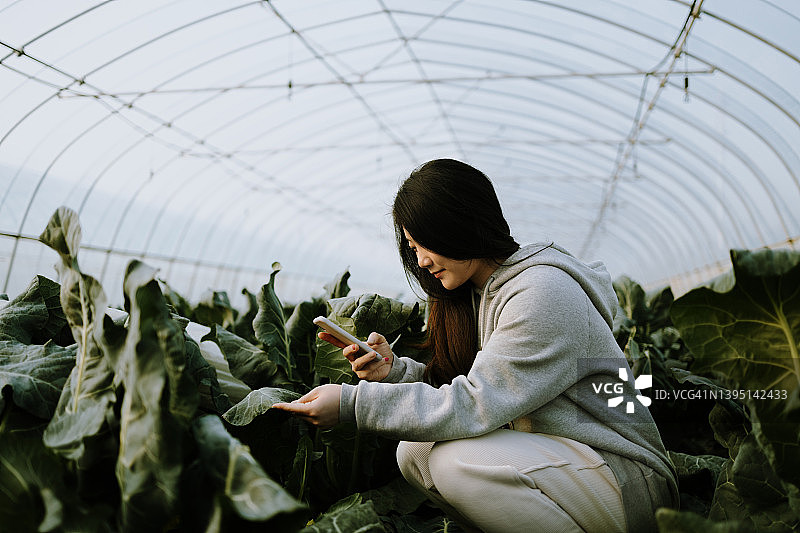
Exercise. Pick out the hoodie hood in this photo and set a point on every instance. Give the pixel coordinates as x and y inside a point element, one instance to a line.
<point>592,277</point>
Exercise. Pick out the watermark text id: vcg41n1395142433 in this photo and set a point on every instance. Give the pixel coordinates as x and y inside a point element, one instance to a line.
<point>720,394</point>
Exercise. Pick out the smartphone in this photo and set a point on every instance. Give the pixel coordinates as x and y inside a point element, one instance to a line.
<point>343,336</point>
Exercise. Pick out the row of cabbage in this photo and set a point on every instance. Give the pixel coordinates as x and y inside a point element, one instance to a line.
<point>157,417</point>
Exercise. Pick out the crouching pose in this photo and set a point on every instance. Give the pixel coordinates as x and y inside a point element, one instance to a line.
<point>507,428</point>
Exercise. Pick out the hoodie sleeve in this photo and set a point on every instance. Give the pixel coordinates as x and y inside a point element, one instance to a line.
<point>529,359</point>
<point>404,370</point>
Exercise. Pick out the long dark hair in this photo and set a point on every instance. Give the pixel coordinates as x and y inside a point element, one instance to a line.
<point>450,208</point>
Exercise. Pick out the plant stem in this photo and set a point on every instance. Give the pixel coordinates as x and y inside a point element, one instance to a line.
<point>354,463</point>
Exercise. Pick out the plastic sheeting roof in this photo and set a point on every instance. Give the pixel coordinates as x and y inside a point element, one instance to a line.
<point>212,138</point>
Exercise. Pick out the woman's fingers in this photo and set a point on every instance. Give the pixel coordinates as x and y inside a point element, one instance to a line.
<point>298,406</point>
<point>293,407</point>
<point>327,337</point>
<point>360,362</point>
<point>319,407</point>
<point>375,338</point>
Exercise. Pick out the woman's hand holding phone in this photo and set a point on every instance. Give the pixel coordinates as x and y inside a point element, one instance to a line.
<point>366,366</point>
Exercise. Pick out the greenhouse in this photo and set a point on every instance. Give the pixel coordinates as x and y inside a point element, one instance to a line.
<point>184,186</point>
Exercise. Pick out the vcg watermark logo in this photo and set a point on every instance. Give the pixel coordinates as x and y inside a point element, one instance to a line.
<point>644,381</point>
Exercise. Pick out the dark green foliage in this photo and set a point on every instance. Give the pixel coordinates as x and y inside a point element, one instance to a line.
<point>349,514</point>
<point>126,426</point>
<point>108,434</point>
<point>653,346</point>
<point>35,316</point>
<point>744,330</point>
<point>32,375</point>
<point>247,362</point>
<point>238,479</point>
<point>270,326</point>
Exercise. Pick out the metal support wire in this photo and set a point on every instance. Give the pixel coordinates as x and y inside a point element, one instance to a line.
<point>640,121</point>
<point>145,255</point>
<point>380,122</point>
<point>443,116</point>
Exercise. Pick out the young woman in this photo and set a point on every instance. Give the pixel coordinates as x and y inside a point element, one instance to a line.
<point>507,428</point>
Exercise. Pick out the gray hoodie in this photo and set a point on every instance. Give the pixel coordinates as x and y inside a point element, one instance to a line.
<point>548,363</point>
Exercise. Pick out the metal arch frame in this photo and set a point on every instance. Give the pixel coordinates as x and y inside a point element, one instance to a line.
<point>349,86</point>
<point>191,109</point>
<point>744,124</point>
<point>412,13</point>
<point>706,62</point>
<point>681,183</point>
<point>424,75</point>
<point>675,200</point>
<point>657,228</point>
<point>716,66</point>
<point>702,183</point>
<point>738,154</point>
<point>124,153</point>
<point>778,153</point>
<point>34,194</point>
<point>766,143</point>
<point>678,203</point>
<point>743,30</point>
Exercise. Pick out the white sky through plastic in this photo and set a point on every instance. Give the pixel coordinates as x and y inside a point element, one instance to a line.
<point>214,138</point>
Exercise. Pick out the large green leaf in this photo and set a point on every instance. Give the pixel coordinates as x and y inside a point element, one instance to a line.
<point>776,427</point>
<point>659,304</point>
<point>35,316</point>
<point>235,474</point>
<point>348,514</point>
<point>338,287</point>
<point>270,325</point>
<point>35,375</point>
<point>299,325</point>
<point>244,322</point>
<point>757,483</point>
<point>729,424</point>
<point>631,298</point>
<point>247,362</point>
<point>397,496</point>
<point>257,403</point>
<point>214,307</point>
<point>156,408</point>
<point>329,362</point>
<point>750,335</point>
<point>749,493</point>
<point>205,376</point>
<point>89,392</point>
<point>33,492</point>
<point>299,480</point>
<point>357,460</point>
<point>177,301</point>
<point>372,312</point>
<point>689,465</point>
<point>26,469</point>
<point>303,332</point>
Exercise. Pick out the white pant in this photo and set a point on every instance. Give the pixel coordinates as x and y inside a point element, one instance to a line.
<point>508,481</point>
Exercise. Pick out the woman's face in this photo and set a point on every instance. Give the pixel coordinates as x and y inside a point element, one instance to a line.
<point>451,272</point>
